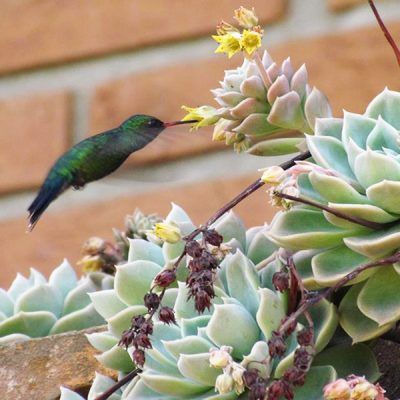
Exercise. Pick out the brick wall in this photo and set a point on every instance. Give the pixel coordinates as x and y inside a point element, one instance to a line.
<point>69,69</point>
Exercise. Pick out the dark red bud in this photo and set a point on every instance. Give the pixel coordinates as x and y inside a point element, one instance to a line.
<point>167,315</point>
<point>213,237</point>
<point>202,300</point>
<point>165,278</point>
<point>138,357</point>
<point>276,345</point>
<point>280,280</point>
<point>193,248</point>
<point>250,377</point>
<point>142,340</point>
<point>258,391</point>
<point>305,337</point>
<point>275,390</point>
<point>294,376</point>
<point>302,358</point>
<point>151,301</point>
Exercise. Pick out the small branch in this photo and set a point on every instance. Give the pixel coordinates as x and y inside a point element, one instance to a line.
<point>385,31</point>
<point>249,190</point>
<point>356,220</point>
<point>105,395</point>
<point>309,301</point>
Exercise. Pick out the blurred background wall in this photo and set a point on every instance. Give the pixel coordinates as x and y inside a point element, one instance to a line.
<point>71,68</point>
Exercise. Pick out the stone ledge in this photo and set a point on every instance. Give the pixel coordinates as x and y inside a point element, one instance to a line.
<point>36,368</point>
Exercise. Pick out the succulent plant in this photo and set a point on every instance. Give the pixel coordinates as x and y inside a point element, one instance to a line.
<point>245,312</point>
<point>33,307</point>
<point>253,112</point>
<point>356,171</point>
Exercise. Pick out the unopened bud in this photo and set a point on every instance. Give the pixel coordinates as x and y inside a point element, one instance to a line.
<point>338,390</point>
<point>220,358</point>
<point>245,17</point>
<point>93,246</point>
<point>165,278</point>
<point>168,232</point>
<point>273,175</point>
<point>224,383</point>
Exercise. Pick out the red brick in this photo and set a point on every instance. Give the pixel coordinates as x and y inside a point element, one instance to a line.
<point>33,132</point>
<point>59,234</point>
<point>43,32</point>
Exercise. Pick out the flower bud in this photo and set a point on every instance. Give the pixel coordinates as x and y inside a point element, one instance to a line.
<point>168,232</point>
<point>213,237</point>
<point>273,175</point>
<point>138,357</point>
<point>167,315</point>
<point>93,246</point>
<point>224,383</point>
<point>91,263</point>
<point>280,280</point>
<point>338,390</point>
<point>220,358</point>
<point>245,17</point>
<point>151,301</point>
<point>364,391</point>
<point>165,278</point>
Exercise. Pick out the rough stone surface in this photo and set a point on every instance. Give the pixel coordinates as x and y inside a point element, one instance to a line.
<point>51,31</point>
<point>33,132</point>
<point>35,369</point>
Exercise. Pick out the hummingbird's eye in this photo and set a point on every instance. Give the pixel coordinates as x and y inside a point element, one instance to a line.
<point>153,123</point>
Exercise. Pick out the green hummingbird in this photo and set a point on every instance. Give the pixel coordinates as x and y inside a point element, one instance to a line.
<point>96,157</point>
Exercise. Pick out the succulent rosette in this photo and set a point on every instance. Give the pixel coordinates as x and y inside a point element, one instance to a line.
<point>34,307</point>
<point>357,160</point>
<point>245,312</point>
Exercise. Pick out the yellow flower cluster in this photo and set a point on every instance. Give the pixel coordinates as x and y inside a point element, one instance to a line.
<point>233,42</point>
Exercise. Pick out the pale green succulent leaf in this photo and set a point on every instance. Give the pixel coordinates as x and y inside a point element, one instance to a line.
<point>316,106</point>
<point>140,249</point>
<point>336,190</point>
<point>6,304</point>
<point>241,280</point>
<point>307,190</point>
<point>382,136</point>
<point>197,368</point>
<point>302,228</point>
<point>329,153</point>
<point>353,151</point>
<point>122,320</point>
<point>138,390</point>
<point>100,384</point>
<point>357,359</point>
<point>106,302</point>
<point>356,324</point>
<point>371,167</point>
<point>386,105</point>
<point>385,194</point>
<point>376,244</point>
<point>33,324</point>
<point>178,215</point>
<point>13,338</point>
<point>329,127</point>
<point>78,297</point>
<point>190,326</point>
<point>163,332</point>
<point>116,358</point>
<point>357,127</point>
<point>187,345</point>
<point>67,394</point>
<point>172,385</point>
<point>379,299</point>
<point>18,286</point>
<point>230,226</point>
<point>133,280</point>
<point>78,320</point>
<point>279,87</point>
<point>247,107</point>
<point>253,87</point>
<point>171,251</point>
<point>302,260</point>
<point>102,341</point>
<point>256,125</point>
<point>330,266</point>
<point>260,247</point>
<point>240,330</point>
<point>36,278</point>
<point>316,379</point>
<point>63,278</point>
<point>299,81</point>
<point>270,312</point>
<point>276,147</point>
<point>40,298</point>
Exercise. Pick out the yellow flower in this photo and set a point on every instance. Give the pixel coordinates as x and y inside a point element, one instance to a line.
<point>229,43</point>
<point>272,175</point>
<point>168,232</point>
<point>245,17</point>
<point>91,263</point>
<point>205,115</point>
<point>251,41</point>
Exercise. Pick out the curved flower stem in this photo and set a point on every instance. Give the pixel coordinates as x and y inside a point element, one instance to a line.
<point>105,395</point>
<point>385,31</point>
<point>356,220</point>
<point>310,300</point>
<point>261,69</point>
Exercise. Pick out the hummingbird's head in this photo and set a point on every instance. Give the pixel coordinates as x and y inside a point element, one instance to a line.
<point>149,124</point>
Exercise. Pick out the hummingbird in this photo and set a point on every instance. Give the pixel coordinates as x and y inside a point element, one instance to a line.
<point>96,157</point>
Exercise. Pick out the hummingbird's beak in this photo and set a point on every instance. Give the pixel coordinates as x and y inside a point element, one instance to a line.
<point>167,124</point>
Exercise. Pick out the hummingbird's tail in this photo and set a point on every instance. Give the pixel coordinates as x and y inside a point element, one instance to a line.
<point>50,190</point>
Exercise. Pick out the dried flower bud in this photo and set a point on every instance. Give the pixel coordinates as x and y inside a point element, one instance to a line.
<point>127,338</point>
<point>275,390</point>
<point>213,237</point>
<point>302,358</point>
<point>220,358</point>
<point>237,375</point>
<point>294,376</point>
<point>276,345</point>
<point>250,377</point>
<point>93,246</point>
<point>165,278</point>
<point>258,391</point>
<point>142,340</point>
<point>280,280</point>
<point>224,383</point>
<point>202,300</point>
<point>245,17</point>
<point>193,248</point>
<point>138,321</point>
<point>291,326</point>
<point>305,337</point>
<point>167,315</point>
<point>147,327</point>
<point>338,390</point>
<point>138,357</point>
<point>151,301</point>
